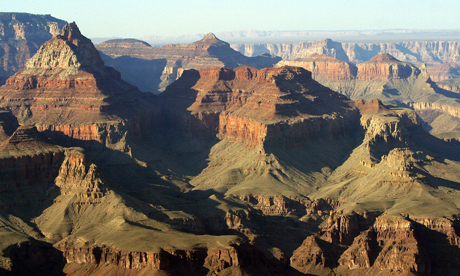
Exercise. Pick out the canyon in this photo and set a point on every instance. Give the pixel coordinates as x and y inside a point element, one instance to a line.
<point>231,170</point>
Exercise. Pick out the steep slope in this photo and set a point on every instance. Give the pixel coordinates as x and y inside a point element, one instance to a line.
<point>67,91</point>
<point>21,35</point>
<point>167,63</point>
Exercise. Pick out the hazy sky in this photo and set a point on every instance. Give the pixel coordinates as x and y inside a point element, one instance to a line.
<point>138,18</point>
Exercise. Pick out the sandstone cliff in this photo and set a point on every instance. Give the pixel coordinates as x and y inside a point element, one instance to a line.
<point>386,67</point>
<point>324,65</point>
<point>394,82</point>
<point>441,57</point>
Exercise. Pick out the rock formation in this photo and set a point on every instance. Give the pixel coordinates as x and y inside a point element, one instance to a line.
<point>65,89</point>
<point>21,35</point>
<point>324,65</point>
<point>167,63</point>
<point>258,107</point>
<point>386,67</point>
<point>429,52</point>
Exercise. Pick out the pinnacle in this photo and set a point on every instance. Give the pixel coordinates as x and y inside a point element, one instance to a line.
<point>79,52</point>
<point>209,36</point>
<point>384,57</point>
<point>72,34</point>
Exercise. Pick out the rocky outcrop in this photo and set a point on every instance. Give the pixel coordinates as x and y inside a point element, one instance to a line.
<point>389,245</point>
<point>66,91</point>
<point>200,261</point>
<point>385,67</point>
<point>324,65</point>
<point>77,176</point>
<point>373,106</point>
<point>21,35</point>
<point>206,53</point>
<point>31,163</point>
<point>257,108</point>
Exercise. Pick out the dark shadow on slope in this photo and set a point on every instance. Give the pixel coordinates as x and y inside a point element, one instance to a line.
<point>444,92</point>
<point>440,148</point>
<point>35,258</point>
<point>8,121</point>
<point>444,257</point>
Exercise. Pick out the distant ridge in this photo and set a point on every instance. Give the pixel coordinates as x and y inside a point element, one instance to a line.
<point>260,36</point>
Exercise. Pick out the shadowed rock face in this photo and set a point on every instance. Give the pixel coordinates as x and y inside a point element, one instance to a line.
<point>393,82</point>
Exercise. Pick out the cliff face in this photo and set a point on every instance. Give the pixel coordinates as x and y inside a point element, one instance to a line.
<point>392,81</point>
<point>206,53</point>
<point>66,90</point>
<point>382,67</point>
<point>324,65</point>
<point>258,107</point>
<point>386,67</point>
<point>22,35</point>
<point>32,163</point>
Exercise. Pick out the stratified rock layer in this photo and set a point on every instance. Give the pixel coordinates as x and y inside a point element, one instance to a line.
<point>324,65</point>
<point>281,107</point>
<point>66,90</point>
<point>385,67</point>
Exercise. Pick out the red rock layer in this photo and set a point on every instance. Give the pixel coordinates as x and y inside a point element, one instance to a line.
<point>66,89</point>
<point>324,65</point>
<point>272,107</point>
<point>373,106</point>
<point>385,67</point>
